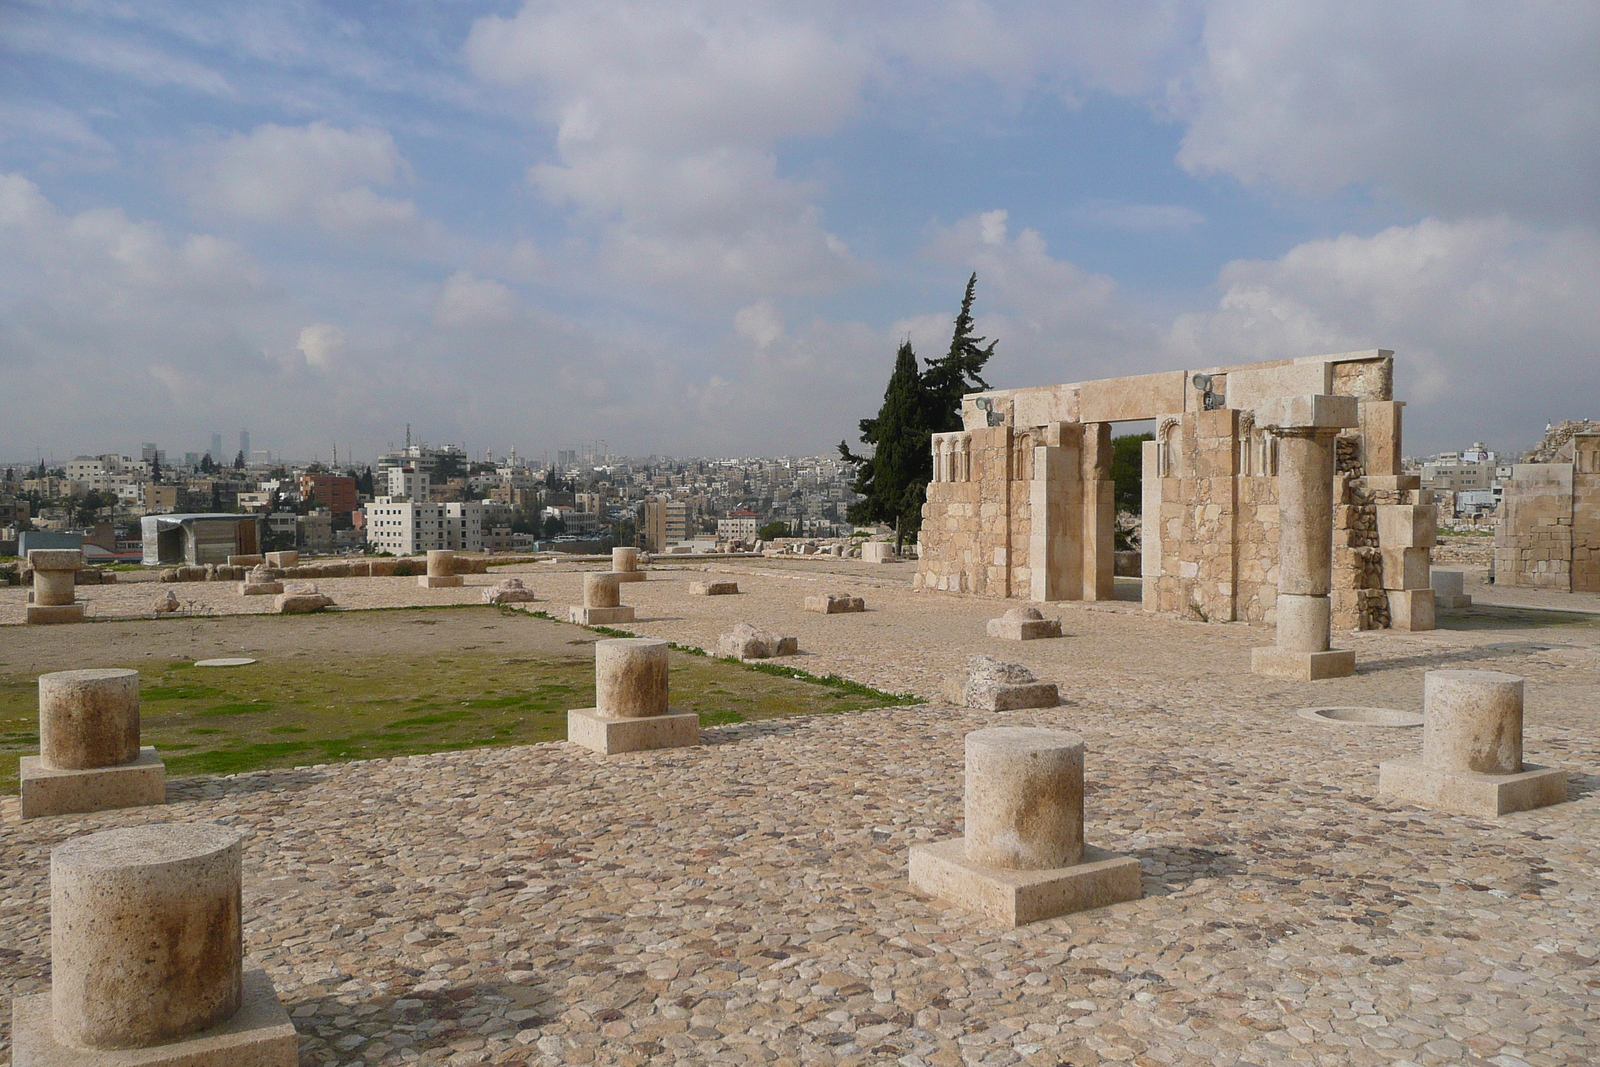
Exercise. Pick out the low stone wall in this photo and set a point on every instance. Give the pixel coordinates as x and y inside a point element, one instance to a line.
<point>356,568</point>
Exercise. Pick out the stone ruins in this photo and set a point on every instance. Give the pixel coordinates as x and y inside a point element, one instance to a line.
<point>55,585</point>
<point>441,570</point>
<point>1548,535</point>
<point>625,565</point>
<point>747,641</point>
<point>1022,502</point>
<point>89,754</point>
<point>631,712</point>
<point>602,601</point>
<point>835,603</point>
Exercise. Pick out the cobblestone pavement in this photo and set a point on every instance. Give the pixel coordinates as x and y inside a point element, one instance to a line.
<point>746,901</point>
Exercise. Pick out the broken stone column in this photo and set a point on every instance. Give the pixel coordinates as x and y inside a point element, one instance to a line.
<point>89,754</point>
<point>602,601</point>
<point>147,958</point>
<point>441,570</point>
<point>302,598</point>
<point>835,603</point>
<point>1409,529</point>
<point>625,565</point>
<point>508,591</point>
<point>1472,750</point>
<point>878,552</point>
<point>1449,589</point>
<point>260,582</point>
<point>1305,427</point>
<point>991,685</point>
<point>1023,857</point>
<point>55,585</point>
<point>631,712</point>
<point>746,641</point>
<point>1023,624</point>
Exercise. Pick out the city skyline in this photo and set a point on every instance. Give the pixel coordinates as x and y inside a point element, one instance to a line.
<point>699,229</point>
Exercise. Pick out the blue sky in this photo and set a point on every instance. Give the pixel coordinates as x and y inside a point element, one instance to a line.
<point>701,228</point>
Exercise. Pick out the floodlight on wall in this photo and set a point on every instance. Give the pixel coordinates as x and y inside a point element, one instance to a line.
<point>1210,401</point>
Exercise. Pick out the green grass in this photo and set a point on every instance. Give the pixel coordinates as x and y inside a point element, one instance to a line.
<point>293,709</point>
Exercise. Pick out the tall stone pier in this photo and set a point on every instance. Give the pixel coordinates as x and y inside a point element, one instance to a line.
<point>147,958</point>
<point>631,712</point>
<point>1023,857</point>
<point>1472,750</point>
<point>1305,427</point>
<point>89,753</point>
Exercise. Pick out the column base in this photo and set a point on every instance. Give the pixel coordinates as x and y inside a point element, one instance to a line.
<point>1277,662</point>
<point>47,614</point>
<point>1023,629</point>
<point>609,735</point>
<point>1456,603</point>
<point>259,1034</point>
<point>48,791</point>
<point>260,589</point>
<point>439,581</point>
<point>1016,898</point>
<point>1470,793</point>
<point>629,576</point>
<point>600,616</point>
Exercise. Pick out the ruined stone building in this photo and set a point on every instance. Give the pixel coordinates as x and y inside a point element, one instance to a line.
<point>1022,502</point>
<point>1548,534</point>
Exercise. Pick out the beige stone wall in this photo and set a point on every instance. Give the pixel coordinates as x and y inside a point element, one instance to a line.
<point>1548,535</point>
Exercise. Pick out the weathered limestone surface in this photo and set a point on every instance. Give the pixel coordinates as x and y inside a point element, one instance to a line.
<point>625,564</point>
<point>279,560</point>
<point>713,588</point>
<point>55,585</point>
<point>260,582</point>
<point>441,570</point>
<point>1449,589</point>
<point>89,755</point>
<point>878,552</point>
<point>991,685</point>
<point>508,591</point>
<point>302,598</point>
<point>1023,624</point>
<point>1548,534</point>
<point>602,601</point>
<point>746,641</point>
<point>835,603</point>
<point>631,712</point>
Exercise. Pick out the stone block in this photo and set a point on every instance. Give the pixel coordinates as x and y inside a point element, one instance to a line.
<point>991,685</point>
<point>1407,525</point>
<point>877,552</point>
<point>599,616</point>
<point>48,791</point>
<point>383,568</point>
<point>1023,624</point>
<point>508,591</point>
<point>713,588</point>
<point>50,614</point>
<point>1310,411</point>
<point>835,603</point>
<point>1274,662</point>
<point>283,559</point>
<point>1394,483</point>
<point>608,735</point>
<point>259,1034</point>
<point>1469,792</point>
<point>1405,568</point>
<point>1449,589</point>
<point>55,559</point>
<point>302,603</point>
<point>1412,609</point>
<point>247,561</point>
<point>630,576</point>
<point>745,641</point>
<point>260,588</point>
<point>439,581</point>
<point>1016,898</point>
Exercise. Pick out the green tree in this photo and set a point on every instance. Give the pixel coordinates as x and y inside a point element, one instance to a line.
<point>238,461</point>
<point>772,531</point>
<point>959,372</point>
<point>1127,470</point>
<point>894,479</point>
<point>553,526</point>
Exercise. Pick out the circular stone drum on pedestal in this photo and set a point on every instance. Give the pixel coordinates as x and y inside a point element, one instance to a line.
<point>88,719</point>
<point>625,560</point>
<point>1472,721</point>
<point>600,590</point>
<point>145,937</point>
<point>441,563</point>
<point>1024,798</point>
<point>630,677</point>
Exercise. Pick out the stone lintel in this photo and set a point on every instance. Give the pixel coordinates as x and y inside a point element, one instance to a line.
<point>600,616</point>
<point>1470,793</point>
<point>1016,898</point>
<point>1316,411</point>
<point>49,791</point>
<point>609,735</point>
<point>439,581</point>
<point>259,1034</point>
<point>49,614</point>
<point>1274,662</point>
<point>1394,483</point>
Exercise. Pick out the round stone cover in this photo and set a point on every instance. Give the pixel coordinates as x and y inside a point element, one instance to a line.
<point>226,661</point>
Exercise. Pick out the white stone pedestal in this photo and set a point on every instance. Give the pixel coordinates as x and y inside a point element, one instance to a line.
<point>1469,792</point>
<point>599,616</point>
<point>1015,898</point>
<point>1302,666</point>
<point>439,581</point>
<point>610,734</point>
<point>47,791</point>
<point>46,614</point>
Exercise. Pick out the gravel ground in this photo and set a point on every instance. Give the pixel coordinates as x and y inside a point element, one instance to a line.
<point>746,901</point>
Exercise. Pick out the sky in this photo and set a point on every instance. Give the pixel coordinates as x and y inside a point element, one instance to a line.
<point>691,228</point>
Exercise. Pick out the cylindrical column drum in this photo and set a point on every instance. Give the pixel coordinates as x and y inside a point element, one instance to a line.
<point>1472,721</point>
<point>1024,798</point>
<point>88,718</point>
<point>54,587</point>
<point>1305,512</point>
<point>601,590</point>
<point>1304,623</point>
<point>625,560</point>
<point>146,944</point>
<point>630,677</point>
<point>441,563</point>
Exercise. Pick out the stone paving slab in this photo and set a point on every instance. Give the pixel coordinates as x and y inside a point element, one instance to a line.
<point>745,901</point>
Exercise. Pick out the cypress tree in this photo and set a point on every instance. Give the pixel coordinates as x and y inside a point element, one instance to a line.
<point>894,479</point>
<point>948,379</point>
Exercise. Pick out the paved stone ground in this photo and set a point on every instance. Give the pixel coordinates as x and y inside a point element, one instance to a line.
<point>746,902</point>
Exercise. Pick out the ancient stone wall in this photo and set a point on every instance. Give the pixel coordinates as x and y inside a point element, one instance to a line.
<point>1548,535</point>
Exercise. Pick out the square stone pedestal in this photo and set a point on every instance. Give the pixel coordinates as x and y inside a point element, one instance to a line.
<point>628,576</point>
<point>1024,629</point>
<point>1412,609</point>
<point>1015,898</point>
<point>1277,662</point>
<point>47,791</point>
<point>608,735</point>
<point>260,589</point>
<point>600,616</point>
<point>1472,794</point>
<point>258,1035</point>
<point>1444,601</point>
<point>46,614</point>
<point>439,581</point>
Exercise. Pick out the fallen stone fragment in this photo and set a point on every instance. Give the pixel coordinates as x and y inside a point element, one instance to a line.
<point>508,591</point>
<point>302,599</point>
<point>1024,624</point>
<point>746,641</point>
<point>166,605</point>
<point>991,685</point>
<point>713,588</point>
<point>835,603</point>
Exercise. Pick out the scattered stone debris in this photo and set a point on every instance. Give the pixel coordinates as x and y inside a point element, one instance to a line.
<point>508,591</point>
<point>991,685</point>
<point>713,588</point>
<point>746,641</point>
<point>1024,624</point>
<point>835,603</point>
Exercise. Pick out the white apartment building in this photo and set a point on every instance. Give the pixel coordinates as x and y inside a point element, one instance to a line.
<point>738,527</point>
<point>409,527</point>
<point>409,483</point>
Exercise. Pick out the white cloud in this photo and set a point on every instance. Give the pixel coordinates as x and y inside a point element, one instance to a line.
<point>321,343</point>
<point>470,301</point>
<point>760,322</point>
<point>316,174</point>
<point>120,55</point>
<point>1138,218</point>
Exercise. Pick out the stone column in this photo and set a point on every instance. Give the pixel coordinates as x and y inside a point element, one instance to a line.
<point>146,952</point>
<point>55,578</point>
<point>602,601</point>
<point>1472,749</point>
<point>631,712</point>
<point>89,755</point>
<point>1099,514</point>
<point>1023,857</point>
<point>441,570</point>
<point>625,565</point>
<point>1305,427</point>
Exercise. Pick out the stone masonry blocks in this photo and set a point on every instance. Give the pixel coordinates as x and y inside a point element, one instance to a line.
<point>89,755</point>
<point>631,712</point>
